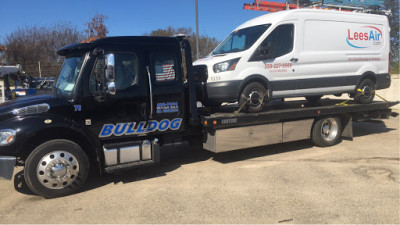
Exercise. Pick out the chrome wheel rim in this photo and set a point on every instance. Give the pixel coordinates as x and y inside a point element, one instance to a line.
<point>57,170</point>
<point>255,98</point>
<point>367,91</point>
<point>329,129</point>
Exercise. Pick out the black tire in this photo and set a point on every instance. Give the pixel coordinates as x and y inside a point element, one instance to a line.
<point>326,131</point>
<point>315,98</point>
<point>256,94</point>
<point>56,168</point>
<point>367,96</point>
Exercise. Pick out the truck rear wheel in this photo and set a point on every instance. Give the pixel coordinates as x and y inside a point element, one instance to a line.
<point>367,95</point>
<point>326,131</point>
<point>56,168</point>
<point>253,95</point>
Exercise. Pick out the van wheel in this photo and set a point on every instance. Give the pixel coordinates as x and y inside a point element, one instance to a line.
<point>253,96</point>
<point>56,168</point>
<point>368,92</point>
<point>315,98</point>
<point>326,131</point>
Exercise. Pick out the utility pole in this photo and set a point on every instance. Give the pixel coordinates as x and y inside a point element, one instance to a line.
<point>197,31</point>
<point>40,71</point>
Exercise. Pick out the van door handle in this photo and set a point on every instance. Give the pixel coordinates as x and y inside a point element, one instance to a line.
<point>294,60</point>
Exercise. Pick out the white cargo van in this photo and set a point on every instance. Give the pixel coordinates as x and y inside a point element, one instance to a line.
<point>299,53</point>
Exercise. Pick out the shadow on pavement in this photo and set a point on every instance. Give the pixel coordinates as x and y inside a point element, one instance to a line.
<point>370,127</point>
<point>173,158</point>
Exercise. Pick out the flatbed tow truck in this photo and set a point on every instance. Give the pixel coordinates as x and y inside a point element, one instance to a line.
<point>118,99</point>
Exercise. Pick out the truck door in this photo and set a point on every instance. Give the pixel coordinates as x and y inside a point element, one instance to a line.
<point>117,116</point>
<point>166,88</point>
<point>277,56</point>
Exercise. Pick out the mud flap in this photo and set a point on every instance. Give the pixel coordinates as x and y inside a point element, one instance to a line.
<point>347,132</point>
<point>7,164</point>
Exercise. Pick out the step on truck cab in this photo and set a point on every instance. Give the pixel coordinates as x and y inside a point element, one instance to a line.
<point>299,53</point>
<point>118,99</point>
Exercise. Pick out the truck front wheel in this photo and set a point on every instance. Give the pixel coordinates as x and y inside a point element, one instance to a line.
<point>56,168</point>
<point>326,131</point>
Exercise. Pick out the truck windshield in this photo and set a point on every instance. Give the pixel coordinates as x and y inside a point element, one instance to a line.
<point>240,40</point>
<point>69,72</point>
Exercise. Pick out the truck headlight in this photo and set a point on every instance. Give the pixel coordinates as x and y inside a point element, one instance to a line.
<point>225,66</point>
<point>7,136</point>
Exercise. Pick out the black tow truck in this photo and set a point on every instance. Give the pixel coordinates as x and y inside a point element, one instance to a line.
<point>118,99</point>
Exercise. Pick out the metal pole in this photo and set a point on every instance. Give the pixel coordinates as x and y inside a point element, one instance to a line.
<point>197,31</point>
<point>40,71</point>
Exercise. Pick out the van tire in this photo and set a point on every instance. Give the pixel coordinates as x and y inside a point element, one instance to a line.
<point>56,168</point>
<point>253,96</point>
<point>326,131</point>
<point>367,96</point>
<point>313,99</point>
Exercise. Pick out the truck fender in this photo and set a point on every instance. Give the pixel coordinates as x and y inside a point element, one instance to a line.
<point>40,130</point>
<point>369,74</point>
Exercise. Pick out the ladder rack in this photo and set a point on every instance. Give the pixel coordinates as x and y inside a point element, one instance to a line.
<point>364,6</point>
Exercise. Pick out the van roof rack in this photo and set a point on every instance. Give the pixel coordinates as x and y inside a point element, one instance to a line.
<point>364,6</point>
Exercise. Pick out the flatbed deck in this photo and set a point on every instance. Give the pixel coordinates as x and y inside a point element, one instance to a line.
<point>277,111</point>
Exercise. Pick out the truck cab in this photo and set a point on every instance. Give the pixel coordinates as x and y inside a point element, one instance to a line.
<point>115,100</point>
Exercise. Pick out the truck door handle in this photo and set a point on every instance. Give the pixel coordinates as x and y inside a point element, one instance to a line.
<point>151,92</point>
<point>294,60</point>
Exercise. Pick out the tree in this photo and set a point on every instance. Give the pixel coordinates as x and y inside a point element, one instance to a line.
<point>30,45</point>
<point>96,27</point>
<point>3,49</point>
<point>206,44</point>
<point>393,6</point>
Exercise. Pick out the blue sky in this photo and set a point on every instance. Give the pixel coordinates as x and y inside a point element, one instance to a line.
<point>217,18</point>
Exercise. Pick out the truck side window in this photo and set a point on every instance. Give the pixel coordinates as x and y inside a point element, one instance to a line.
<point>125,70</point>
<point>164,67</point>
<point>125,73</point>
<point>278,43</point>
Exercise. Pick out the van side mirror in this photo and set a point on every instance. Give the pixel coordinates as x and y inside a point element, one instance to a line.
<point>110,73</point>
<point>265,51</point>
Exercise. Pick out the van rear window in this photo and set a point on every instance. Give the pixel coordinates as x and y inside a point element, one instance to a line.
<point>240,40</point>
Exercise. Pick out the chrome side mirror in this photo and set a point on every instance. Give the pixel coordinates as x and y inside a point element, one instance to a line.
<point>110,65</point>
<point>111,89</point>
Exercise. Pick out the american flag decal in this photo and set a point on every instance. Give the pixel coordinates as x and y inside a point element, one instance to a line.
<point>165,72</point>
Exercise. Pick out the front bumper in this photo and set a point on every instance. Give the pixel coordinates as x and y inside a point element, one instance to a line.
<point>7,164</point>
<point>223,91</point>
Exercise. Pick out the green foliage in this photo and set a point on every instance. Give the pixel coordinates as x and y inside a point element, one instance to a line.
<point>393,5</point>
